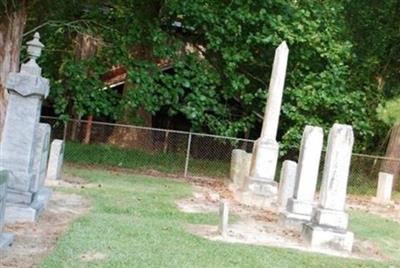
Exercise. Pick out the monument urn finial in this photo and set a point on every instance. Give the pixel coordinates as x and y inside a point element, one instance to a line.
<point>35,47</point>
<point>29,81</point>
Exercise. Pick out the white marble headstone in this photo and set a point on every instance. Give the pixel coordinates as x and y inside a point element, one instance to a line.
<point>385,187</point>
<point>55,160</point>
<point>240,168</point>
<point>287,182</point>
<point>328,228</point>
<point>223,217</point>
<point>299,208</point>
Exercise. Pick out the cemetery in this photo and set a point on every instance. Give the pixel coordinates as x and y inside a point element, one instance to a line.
<point>88,192</point>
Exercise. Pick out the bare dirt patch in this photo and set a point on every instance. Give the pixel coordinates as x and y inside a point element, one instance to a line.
<point>364,203</point>
<point>255,226</point>
<point>33,241</point>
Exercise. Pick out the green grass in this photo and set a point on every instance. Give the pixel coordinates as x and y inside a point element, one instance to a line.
<point>360,181</point>
<point>385,233</point>
<point>134,222</point>
<point>139,160</point>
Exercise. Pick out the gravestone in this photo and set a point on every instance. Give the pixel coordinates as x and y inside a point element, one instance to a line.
<point>223,217</point>
<point>261,182</point>
<point>240,168</point>
<point>328,228</point>
<point>286,183</point>
<point>55,160</point>
<point>24,143</point>
<point>299,208</point>
<point>40,159</point>
<point>385,186</point>
<point>6,239</point>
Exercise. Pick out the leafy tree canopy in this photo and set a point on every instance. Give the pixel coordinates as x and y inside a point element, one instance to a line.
<point>220,83</point>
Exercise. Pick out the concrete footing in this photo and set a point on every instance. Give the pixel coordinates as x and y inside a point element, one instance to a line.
<point>258,201</point>
<point>6,240</point>
<point>326,238</point>
<point>293,221</point>
<point>28,213</point>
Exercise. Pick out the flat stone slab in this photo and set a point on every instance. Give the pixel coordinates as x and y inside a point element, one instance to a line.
<point>6,240</point>
<point>251,199</point>
<point>18,197</point>
<point>293,221</point>
<point>379,201</point>
<point>18,213</point>
<point>41,198</point>
<point>325,238</point>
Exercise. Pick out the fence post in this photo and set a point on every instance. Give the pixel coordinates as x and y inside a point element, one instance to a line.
<point>188,154</point>
<point>65,131</point>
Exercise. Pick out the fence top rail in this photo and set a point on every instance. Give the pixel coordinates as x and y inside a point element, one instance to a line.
<point>196,134</point>
<point>151,128</point>
<point>377,157</point>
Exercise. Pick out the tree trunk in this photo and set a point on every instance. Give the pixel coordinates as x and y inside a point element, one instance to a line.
<point>393,152</point>
<point>88,130</point>
<point>133,138</point>
<point>85,47</point>
<point>11,30</point>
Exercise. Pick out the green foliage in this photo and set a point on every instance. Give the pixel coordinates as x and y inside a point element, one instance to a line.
<point>84,88</point>
<point>373,30</point>
<point>219,84</point>
<point>390,112</point>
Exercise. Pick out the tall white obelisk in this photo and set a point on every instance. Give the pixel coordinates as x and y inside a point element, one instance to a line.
<point>266,149</point>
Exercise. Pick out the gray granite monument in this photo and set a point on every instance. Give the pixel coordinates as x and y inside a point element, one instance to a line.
<point>6,239</point>
<point>328,227</point>
<point>25,142</point>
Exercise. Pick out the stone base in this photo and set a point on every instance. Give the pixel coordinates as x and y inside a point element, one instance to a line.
<point>18,197</point>
<point>28,213</point>
<point>326,238</point>
<point>263,187</point>
<point>333,218</point>
<point>293,221</point>
<point>382,202</point>
<point>6,240</point>
<point>299,207</point>
<point>250,199</point>
<point>18,181</point>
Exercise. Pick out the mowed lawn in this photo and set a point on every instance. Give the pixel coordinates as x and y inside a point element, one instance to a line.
<point>134,222</point>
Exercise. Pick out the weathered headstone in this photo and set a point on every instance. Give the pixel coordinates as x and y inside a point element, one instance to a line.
<point>299,208</point>
<point>385,186</point>
<point>24,143</point>
<point>265,152</point>
<point>287,182</point>
<point>6,239</point>
<point>328,228</point>
<point>240,168</point>
<point>223,217</point>
<point>55,160</point>
<point>40,159</point>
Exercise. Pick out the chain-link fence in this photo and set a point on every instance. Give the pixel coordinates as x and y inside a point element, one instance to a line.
<point>147,150</point>
<point>178,153</point>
